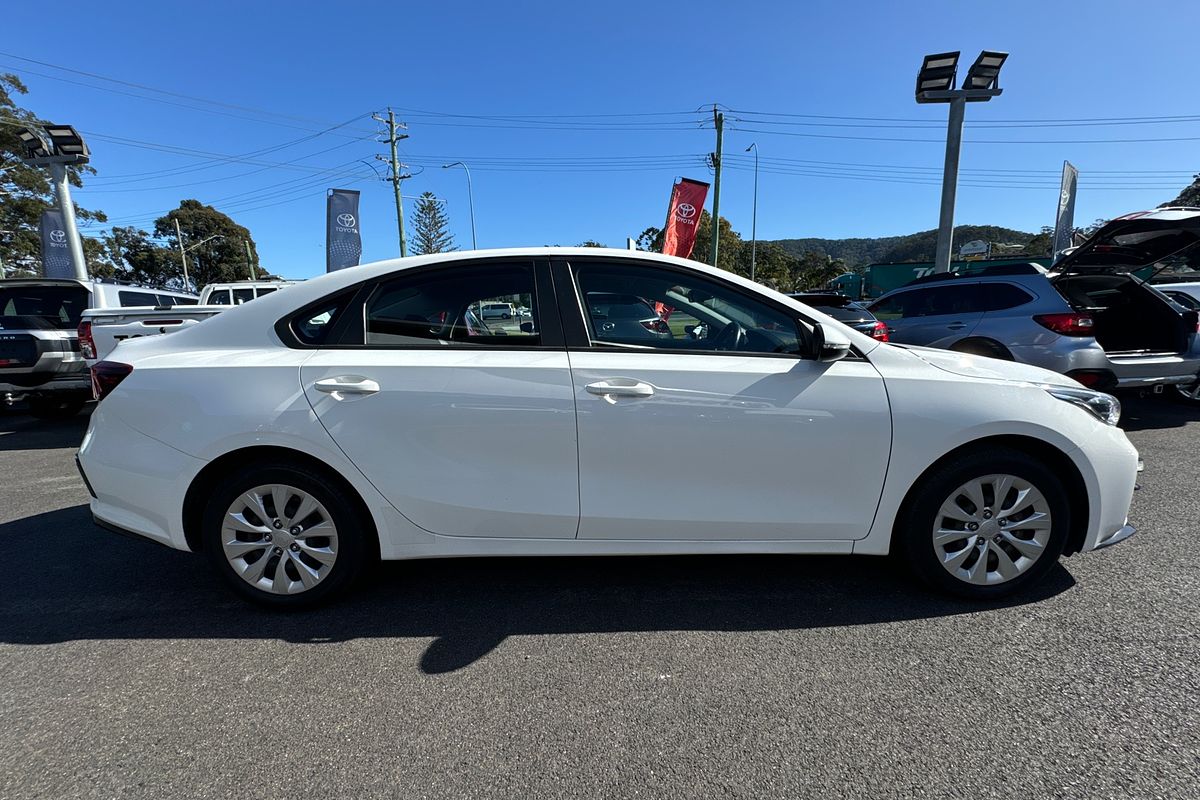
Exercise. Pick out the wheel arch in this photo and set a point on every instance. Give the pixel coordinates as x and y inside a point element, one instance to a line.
<point>985,343</point>
<point>1056,459</point>
<point>206,480</point>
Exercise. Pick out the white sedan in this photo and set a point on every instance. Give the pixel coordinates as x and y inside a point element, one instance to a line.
<point>360,415</point>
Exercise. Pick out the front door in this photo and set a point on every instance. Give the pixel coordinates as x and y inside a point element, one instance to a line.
<point>703,422</point>
<point>467,427</point>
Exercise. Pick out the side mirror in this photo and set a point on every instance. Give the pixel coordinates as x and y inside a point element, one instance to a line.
<point>829,344</point>
<point>526,327</point>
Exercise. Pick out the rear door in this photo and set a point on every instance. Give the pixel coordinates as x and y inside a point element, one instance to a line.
<point>466,427</point>
<point>933,316</point>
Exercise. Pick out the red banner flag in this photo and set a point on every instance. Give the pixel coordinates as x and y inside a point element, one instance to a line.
<point>683,217</point>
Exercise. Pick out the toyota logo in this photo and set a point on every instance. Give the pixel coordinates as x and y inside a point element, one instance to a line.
<point>345,220</point>
<point>686,210</point>
<point>58,237</point>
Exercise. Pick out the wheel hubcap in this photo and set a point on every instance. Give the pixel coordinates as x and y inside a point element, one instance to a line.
<point>992,529</point>
<point>279,539</point>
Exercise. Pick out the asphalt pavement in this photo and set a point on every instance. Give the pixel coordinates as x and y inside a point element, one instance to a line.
<point>128,671</point>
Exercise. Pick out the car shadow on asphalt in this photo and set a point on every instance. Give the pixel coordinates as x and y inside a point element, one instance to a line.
<point>20,431</point>
<point>1155,412</point>
<point>63,579</point>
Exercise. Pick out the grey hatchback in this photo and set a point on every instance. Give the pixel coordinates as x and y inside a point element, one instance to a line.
<point>1089,319</point>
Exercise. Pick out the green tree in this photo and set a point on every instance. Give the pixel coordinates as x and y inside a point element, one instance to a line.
<point>650,240</point>
<point>25,192</point>
<point>216,245</point>
<point>1190,196</point>
<point>731,243</point>
<point>591,243</point>
<point>431,228</point>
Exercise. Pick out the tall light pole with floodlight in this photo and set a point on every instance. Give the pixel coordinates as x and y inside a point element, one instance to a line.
<point>470,198</point>
<point>935,84</point>
<point>754,214</point>
<point>55,147</point>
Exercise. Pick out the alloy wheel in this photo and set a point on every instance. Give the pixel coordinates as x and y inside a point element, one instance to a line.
<point>279,539</point>
<point>992,529</point>
<point>1189,391</point>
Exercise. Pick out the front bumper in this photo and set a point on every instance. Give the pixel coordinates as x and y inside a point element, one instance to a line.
<point>1121,535</point>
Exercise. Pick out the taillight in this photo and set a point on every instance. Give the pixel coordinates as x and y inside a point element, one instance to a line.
<point>656,326</point>
<point>880,332</point>
<point>106,376</point>
<point>1072,324</point>
<point>87,345</point>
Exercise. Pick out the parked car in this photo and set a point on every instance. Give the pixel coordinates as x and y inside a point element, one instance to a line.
<point>293,439</point>
<point>498,311</point>
<point>625,318</point>
<point>40,359</point>
<point>1089,319</point>
<point>843,309</point>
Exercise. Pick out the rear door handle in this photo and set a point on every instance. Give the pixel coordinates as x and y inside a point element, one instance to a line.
<point>347,384</point>
<point>625,389</point>
<point>956,326</point>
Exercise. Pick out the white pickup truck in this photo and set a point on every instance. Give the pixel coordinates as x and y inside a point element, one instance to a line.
<point>101,329</point>
<point>40,360</point>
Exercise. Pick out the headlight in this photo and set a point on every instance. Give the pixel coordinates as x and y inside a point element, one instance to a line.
<point>1103,407</point>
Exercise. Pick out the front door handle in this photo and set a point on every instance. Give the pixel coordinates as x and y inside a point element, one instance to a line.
<point>620,389</point>
<point>956,326</point>
<point>346,384</point>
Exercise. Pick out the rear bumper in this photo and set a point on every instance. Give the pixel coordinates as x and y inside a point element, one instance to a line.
<point>78,384</point>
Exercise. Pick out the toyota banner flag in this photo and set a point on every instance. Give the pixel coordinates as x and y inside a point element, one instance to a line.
<point>683,217</point>
<point>56,252</point>
<point>1064,221</point>
<point>343,243</point>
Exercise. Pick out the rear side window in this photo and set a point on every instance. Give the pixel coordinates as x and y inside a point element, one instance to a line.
<point>265,290</point>
<point>1003,296</point>
<point>242,296</point>
<point>461,307</point>
<point>313,325</point>
<point>128,298</point>
<point>219,298</point>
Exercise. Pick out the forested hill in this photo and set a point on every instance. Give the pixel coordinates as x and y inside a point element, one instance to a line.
<point>913,247</point>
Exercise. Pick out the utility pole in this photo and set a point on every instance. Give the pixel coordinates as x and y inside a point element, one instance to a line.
<point>249,261</point>
<point>183,256</point>
<point>719,122</point>
<point>396,177</point>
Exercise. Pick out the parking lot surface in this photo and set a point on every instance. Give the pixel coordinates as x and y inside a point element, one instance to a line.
<point>129,671</point>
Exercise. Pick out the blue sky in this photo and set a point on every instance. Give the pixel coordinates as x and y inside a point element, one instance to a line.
<point>282,73</point>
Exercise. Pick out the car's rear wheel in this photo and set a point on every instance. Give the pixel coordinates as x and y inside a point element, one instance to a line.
<point>283,536</point>
<point>55,409</point>
<point>983,347</point>
<point>1188,393</point>
<point>985,524</point>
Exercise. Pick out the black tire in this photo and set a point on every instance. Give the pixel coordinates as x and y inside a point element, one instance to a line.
<point>983,347</point>
<point>55,409</point>
<point>913,535</point>
<point>354,532</point>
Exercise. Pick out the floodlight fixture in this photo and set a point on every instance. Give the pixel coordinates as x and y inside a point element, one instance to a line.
<point>985,72</point>
<point>35,145</point>
<point>937,74</point>
<point>66,140</point>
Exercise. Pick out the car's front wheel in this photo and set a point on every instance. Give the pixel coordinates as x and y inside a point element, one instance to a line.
<point>283,536</point>
<point>985,524</point>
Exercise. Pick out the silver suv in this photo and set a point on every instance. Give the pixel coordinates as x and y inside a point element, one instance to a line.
<point>1089,319</point>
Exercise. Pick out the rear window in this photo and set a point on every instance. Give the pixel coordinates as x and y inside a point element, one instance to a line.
<point>846,313</point>
<point>129,298</point>
<point>42,306</point>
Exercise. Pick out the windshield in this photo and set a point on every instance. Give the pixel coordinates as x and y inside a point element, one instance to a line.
<point>42,306</point>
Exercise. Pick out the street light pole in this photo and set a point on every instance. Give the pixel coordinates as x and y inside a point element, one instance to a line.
<point>754,214</point>
<point>945,239</point>
<point>470,198</point>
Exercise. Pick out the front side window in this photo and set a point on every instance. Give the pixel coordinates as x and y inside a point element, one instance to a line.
<point>242,296</point>
<point>464,306</point>
<point>650,307</point>
<point>219,297</point>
